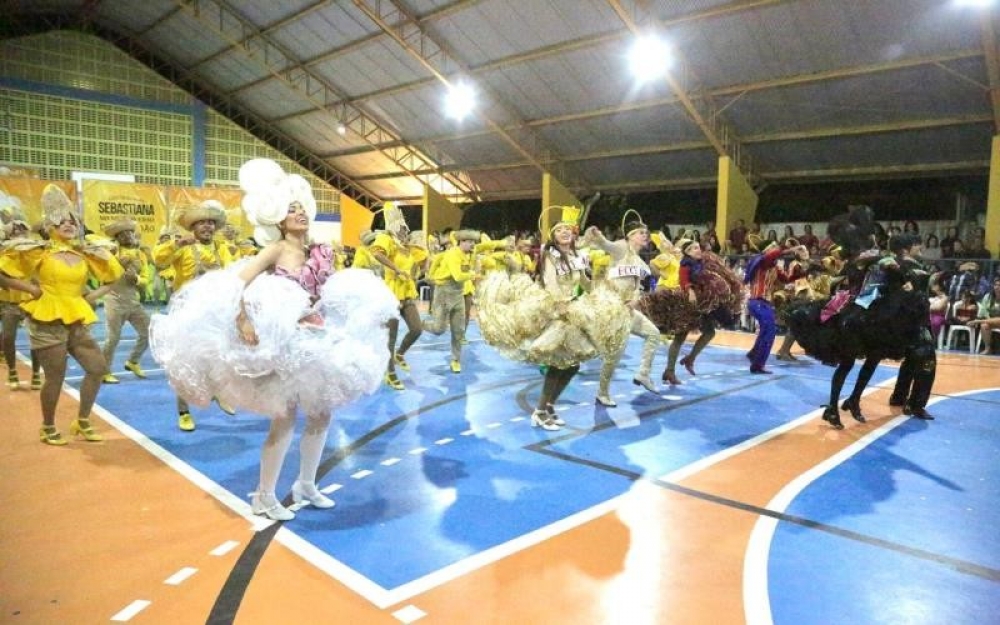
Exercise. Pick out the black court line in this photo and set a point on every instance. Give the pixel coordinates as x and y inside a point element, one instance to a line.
<point>961,566</point>
<point>652,412</point>
<point>231,595</point>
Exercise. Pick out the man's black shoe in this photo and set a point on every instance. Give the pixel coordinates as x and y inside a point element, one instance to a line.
<point>919,413</point>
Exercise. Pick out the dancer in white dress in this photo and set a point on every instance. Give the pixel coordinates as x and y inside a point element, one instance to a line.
<point>278,332</point>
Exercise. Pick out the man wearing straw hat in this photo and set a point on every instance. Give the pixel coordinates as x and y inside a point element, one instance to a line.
<point>191,256</point>
<point>450,275</point>
<point>121,299</point>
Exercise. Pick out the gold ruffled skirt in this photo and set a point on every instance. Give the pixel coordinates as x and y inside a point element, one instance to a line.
<point>524,322</point>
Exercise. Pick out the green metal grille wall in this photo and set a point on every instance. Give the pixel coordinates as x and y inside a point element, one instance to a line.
<point>72,59</point>
<point>58,135</point>
<point>227,146</point>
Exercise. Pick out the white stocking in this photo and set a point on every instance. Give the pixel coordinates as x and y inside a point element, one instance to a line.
<point>311,446</point>
<point>272,455</point>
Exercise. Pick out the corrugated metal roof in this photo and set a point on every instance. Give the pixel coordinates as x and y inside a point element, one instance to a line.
<point>814,88</point>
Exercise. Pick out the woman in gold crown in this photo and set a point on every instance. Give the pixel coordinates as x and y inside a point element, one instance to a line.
<point>58,315</point>
<point>559,322</point>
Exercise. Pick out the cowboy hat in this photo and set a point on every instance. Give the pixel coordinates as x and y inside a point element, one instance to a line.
<point>468,235</point>
<point>209,210</point>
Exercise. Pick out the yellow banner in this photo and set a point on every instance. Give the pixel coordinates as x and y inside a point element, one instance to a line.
<point>105,202</point>
<point>17,171</point>
<point>180,198</point>
<point>28,192</point>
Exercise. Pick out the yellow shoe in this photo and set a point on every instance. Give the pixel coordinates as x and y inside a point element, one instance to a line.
<point>82,427</point>
<point>36,382</point>
<point>135,369</point>
<point>463,341</point>
<point>13,382</point>
<point>185,422</point>
<point>393,382</point>
<point>51,436</point>
<point>109,379</point>
<point>401,363</point>
<point>224,407</point>
<point>456,367</point>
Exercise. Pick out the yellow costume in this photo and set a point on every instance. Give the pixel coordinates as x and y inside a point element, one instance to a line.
<point>190,261</point>
<point>61,282</point>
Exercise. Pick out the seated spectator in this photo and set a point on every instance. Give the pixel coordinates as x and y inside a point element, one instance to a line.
<point>965,310</point>
<point>988,318</point>
<point>975,245</point>
<point>939,309</point>
<point>931,251</point>
<point>957,249</point>
<point>911,227</point>
<point>808,238</point>
<point>738,235</point>
<point>789,233</point>
<point>965,280</point>
<point>948,242</point>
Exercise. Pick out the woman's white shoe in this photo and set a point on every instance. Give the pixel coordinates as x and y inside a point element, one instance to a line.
<point>266,504</point>
<point>307,491</point>
<point>540,418</point>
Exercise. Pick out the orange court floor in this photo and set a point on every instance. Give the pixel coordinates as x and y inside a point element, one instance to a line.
<point>123,531</point>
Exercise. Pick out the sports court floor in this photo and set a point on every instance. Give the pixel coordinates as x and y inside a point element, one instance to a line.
<point>723,500</point>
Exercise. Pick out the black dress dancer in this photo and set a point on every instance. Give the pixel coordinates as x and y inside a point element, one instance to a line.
<point>877,314</point>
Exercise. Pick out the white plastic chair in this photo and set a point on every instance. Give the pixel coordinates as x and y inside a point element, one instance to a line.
<point>960,328</point>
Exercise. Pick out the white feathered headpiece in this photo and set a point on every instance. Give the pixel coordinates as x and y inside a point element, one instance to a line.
<point>269,192</point>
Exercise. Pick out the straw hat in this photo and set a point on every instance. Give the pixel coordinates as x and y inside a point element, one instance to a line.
<point>56,207</point>
<point>468,235</point>
<point>112,229</point>
<point>209,210</point>
<point>969,266</point>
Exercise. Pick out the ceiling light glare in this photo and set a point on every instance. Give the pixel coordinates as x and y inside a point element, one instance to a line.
<point>460,101</point>
<point>341,128</point>
<point>649,58</point>
<point>975,4</point>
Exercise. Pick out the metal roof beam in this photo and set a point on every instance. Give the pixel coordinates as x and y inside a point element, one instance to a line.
<point>442,63</point>
<point>312,87</point>
<point>270,28</point>
<point>531,55</point>
<point>683,82</point>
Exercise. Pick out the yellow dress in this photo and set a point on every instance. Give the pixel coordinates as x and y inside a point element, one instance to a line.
<point>62,284</point>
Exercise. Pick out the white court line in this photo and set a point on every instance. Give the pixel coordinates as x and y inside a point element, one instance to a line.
<point>388,462</point>
<point>444,441</point>
<point>756,600</point>
<point>707,461</point>
<point>131,610</point>
<point>409,614</point>
<point>178,578</point>
<point>362,474</point>
<point>417,451</point>
<point>332,488</point>
<point>363,586</point>
<point>224,548</point>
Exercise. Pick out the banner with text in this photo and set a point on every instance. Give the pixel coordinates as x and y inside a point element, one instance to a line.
<point>106,202</point>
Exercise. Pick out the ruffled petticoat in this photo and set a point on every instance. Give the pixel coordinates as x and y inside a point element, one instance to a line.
<point>315,363</point>
<point>719,296</point>
<point>522,320</point>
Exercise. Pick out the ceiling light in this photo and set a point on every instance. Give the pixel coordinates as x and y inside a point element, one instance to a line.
<point>341,128</point>
<point>649,58</point>
<point>460,101</point>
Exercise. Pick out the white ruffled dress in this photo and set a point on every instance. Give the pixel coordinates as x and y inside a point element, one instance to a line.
<point>317,354</point>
